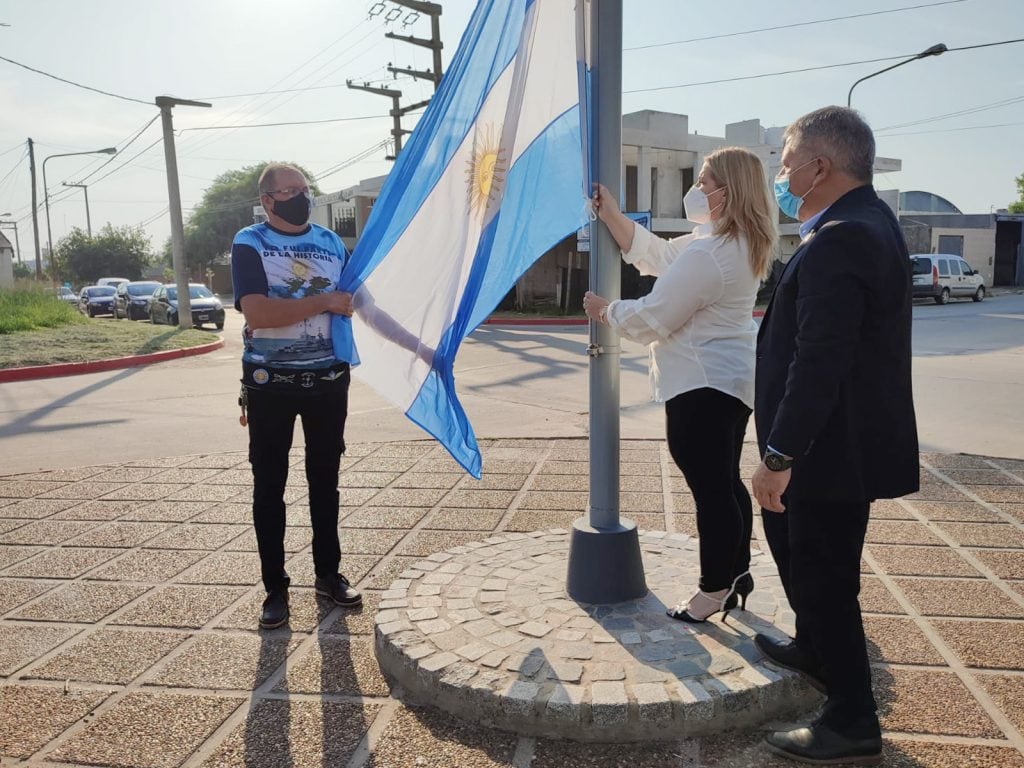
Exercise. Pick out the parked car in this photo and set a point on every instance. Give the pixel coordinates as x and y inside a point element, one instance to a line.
<point>206,308</point>
<point>114,281</point>
<point>943,276</point>
<point>131,300</point>
<point>66,294</point>
<point>96,300</point>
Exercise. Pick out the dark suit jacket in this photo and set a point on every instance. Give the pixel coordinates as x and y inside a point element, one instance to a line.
<point>833,386</point>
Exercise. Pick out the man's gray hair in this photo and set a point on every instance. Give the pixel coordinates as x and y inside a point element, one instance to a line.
<point>268,176</point>
<point>840,134</point>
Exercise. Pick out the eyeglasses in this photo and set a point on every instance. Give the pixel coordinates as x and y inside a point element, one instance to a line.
<point>288,192</point>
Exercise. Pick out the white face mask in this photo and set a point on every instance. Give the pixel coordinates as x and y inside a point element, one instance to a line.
<point>696,207</point>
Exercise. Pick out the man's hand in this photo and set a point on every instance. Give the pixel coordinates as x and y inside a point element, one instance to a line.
<point>338,302</point>
<point>769,487</point>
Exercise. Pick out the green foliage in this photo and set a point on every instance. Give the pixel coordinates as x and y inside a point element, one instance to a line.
<point>1017,206</point>
<point>29,306</point>
<point>226,207</point>
<point>113,252</point>
<point>23,271</point>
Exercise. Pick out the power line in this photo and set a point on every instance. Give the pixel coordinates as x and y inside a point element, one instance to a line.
<point>274,125</point>
<point>809,69</point>
<point>959,113</point>
<point>131,140</point>
<point>19,145</point>
<point>790,26</point>
<point>952,130</point>
<point>764,74</point>
<point>71,82</point>
<point>14,167</point>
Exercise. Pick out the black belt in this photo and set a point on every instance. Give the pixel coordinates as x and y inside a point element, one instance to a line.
<point>261,377</point>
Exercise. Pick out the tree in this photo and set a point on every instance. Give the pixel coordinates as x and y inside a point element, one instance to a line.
<point>113,252</point>
<point>1017,206</point>
<point>226,207</point>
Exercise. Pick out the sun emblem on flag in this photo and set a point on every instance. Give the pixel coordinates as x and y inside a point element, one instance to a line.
<point>487,168</point>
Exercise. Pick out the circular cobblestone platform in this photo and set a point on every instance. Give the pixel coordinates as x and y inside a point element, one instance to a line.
<point>487,632</point>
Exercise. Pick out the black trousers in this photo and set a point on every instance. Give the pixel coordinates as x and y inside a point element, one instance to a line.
<point>817,547</point>
<point>271,426</point>
<point>705,430</point>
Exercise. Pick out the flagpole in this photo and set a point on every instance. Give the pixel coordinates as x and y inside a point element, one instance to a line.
<point>605,565</point>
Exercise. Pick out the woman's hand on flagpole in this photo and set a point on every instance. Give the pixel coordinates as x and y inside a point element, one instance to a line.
<point>596,307</point>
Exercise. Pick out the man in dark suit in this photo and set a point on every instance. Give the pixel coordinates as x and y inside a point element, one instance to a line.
<point>835,418</point>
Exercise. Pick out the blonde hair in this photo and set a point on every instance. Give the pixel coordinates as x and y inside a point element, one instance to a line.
<point>749,208</point>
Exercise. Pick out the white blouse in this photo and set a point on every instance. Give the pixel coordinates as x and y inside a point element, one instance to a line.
<point>698,317</point>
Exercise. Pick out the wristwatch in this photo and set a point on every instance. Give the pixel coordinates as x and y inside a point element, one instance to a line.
<point>776,461</point>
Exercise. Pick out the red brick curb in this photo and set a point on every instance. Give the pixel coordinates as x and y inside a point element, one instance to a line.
<point>96,366</point>
<point>555,320</point>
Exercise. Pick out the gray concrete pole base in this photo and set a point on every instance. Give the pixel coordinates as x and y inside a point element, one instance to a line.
<point>605,565</point>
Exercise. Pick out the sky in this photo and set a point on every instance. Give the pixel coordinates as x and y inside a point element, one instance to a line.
<point>956,121</point>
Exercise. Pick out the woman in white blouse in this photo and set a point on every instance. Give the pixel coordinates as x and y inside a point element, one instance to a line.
<point>698,322</point>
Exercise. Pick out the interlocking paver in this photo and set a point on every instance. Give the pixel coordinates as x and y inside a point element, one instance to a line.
<point>197,567</point>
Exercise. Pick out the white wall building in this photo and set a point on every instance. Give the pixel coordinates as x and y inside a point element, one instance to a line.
<point>660,162</point>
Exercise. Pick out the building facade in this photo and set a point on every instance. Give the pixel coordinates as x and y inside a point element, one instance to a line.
<point>661,159</point>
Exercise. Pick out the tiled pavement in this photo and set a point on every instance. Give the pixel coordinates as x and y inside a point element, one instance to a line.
<point>128,600</point>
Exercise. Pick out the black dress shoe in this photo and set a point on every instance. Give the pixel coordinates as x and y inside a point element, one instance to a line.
<point>819,744</point>
<point>788,655</point>
<point>275,609</point>
<point>338,589</point>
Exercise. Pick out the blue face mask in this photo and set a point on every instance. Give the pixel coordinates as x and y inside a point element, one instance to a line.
<point>789,203</point>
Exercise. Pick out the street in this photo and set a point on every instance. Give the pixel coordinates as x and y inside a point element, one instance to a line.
<point>514,381</point>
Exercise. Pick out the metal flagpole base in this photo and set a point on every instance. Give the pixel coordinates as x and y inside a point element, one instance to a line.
<point>605,565</point>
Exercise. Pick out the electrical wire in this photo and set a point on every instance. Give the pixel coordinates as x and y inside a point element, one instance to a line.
<point>809,69</point>
<point>791,25</point>
<point>14,167</point>
<point>274,125</point>
<point>71,82</point>
<point>131,140</point>
<point>951,130</point>
<point>959,113</point>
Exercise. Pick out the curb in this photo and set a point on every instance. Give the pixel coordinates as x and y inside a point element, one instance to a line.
<point>96,366</point>
<point>555,320</point>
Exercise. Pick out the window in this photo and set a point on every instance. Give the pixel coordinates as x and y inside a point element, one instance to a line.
<point>631,188</point>
<point>966,268</point>
<point>922,266</point>
<point>655,209</point>
<point>954,267</point>
<point>943,267</point>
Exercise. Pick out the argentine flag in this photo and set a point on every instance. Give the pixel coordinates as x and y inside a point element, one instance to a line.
<point>492,177</point>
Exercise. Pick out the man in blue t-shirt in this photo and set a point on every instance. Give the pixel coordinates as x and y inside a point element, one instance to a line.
<point>286,273</point>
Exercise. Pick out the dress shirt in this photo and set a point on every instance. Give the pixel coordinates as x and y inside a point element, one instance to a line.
<point>697,319</point>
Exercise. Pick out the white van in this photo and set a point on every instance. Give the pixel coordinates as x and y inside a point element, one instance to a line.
<point>943,276</point>
<point>114,281</point>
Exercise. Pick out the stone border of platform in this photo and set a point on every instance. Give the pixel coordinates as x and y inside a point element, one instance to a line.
<point>486,632</point>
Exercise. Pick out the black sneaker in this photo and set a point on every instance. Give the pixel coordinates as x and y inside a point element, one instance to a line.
<point>338,589</point>
<point>275,609</point>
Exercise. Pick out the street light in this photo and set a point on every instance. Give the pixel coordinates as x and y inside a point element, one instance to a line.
<point>85,190</point>
<point>46,193</point>
<point>14,224</point>
<point>936,50</point>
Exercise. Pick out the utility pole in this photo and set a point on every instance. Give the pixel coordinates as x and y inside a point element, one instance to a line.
<point>35,207</point>
<point>434,75</point>
<point>433,10</point>
<point>605,564</point>
<point>85,190</point>
<point>396,112</point>
<point>166,103</point>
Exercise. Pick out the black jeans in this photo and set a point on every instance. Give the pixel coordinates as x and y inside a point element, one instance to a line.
<point>705,430</point>
<point>817,547</point>
<point>271,426</point>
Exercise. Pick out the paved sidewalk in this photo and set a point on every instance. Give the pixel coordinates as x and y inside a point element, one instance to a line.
<point>128,603</point>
